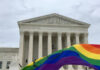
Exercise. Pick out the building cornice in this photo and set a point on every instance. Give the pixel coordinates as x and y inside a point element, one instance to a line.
<point>9,50</point>
<point>52,15</point>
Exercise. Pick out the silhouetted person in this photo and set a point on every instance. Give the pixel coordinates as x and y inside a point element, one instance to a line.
<point>20,65</point>
<point>26,60</point>
<point>34,63</point>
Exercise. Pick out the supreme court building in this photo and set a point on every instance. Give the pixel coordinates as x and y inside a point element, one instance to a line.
<point>44,35</point>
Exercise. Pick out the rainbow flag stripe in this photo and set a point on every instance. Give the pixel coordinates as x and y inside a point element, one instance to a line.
<point>80,54</point>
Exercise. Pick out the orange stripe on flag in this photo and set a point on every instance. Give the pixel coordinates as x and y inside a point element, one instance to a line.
<point>91,48</point>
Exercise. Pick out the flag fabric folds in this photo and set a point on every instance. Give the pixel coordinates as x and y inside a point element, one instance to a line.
<point>80,54</point>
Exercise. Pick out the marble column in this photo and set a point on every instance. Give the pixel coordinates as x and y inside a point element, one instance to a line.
<point>49,43</point>
<point>77,38</point>
<point>70,67</point>
<point>77,42</point>
<point>68,39</point>
<point>85,38</point>
<point>30,54</point>
<point>80,67</point>
<point>40,45</point>
<point>59,41</point>
<point>68,36</point>
<point>21,49</point>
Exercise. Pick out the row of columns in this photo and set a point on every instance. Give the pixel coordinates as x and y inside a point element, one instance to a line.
<point>31,37</point>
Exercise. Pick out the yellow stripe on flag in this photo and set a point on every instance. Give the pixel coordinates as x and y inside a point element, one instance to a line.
<point>35,61</point>
<point>87,53</point>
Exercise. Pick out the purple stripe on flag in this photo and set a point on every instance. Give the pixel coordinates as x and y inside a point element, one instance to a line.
<point>73,60</point>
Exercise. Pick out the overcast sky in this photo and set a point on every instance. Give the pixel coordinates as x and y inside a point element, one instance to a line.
<point>12,11</point>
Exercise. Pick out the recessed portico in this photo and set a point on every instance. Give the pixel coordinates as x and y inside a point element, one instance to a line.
<point>44,35</point>
<point>39,44</point>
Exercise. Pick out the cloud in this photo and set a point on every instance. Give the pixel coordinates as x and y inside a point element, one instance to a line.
<point>96,13</point>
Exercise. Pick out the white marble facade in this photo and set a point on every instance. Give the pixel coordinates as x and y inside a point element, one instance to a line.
<point>43,35</point>
<point>7,56</point>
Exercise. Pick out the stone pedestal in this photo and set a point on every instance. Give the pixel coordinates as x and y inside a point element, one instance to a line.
<point>14,66</point>
<point>61,68</point>
<point>70,67</point>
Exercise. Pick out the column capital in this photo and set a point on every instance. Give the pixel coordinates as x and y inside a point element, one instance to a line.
<point>85,33</point>
<point>40,33</point>
<point>77,33</point>
<point>80,67</point>
<point>70,67</point>
<point>68,33</point>
<point>49,32</point>
<point>22,32</point>
<point>31,32</point>
<point>59,33</point>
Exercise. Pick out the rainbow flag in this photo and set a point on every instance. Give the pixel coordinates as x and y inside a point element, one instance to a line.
<point>81,54</point>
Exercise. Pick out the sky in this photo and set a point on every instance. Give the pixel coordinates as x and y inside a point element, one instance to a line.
<point>12,11</point>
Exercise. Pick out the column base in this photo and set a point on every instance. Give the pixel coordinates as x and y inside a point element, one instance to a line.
<point>14,66</point>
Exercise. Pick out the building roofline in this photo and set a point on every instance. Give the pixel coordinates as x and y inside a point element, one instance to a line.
<point>9,49</point>
<point>50,15</point>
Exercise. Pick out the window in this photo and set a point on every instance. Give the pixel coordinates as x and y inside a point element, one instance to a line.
<point>0,64</point>
<point>8,63</point>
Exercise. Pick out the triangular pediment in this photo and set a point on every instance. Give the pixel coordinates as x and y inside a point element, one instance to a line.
<point>54,19</point>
